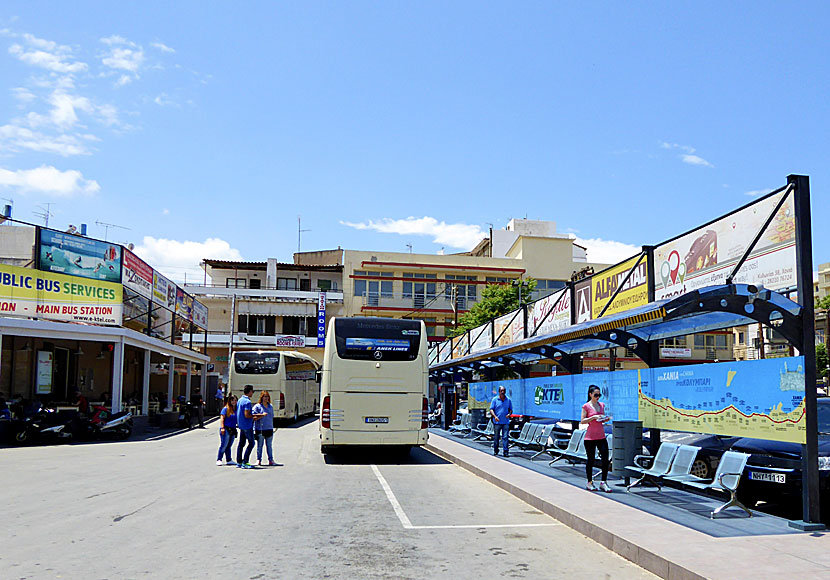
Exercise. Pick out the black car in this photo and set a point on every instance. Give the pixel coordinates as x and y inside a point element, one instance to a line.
<point>773,471</point>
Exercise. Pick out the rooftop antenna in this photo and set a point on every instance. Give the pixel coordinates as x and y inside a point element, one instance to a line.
<point>45,214</point>
<point>107,227</point>
<point>300,231</point>
<point>410,247</point>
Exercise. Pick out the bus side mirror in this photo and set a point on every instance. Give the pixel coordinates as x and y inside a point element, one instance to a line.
<point>318,376</point>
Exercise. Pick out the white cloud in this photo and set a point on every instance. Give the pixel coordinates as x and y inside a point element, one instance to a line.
<point>165,211</point>
<point>47,55</point>
<point>688,156</point>
<point>126,56</point>
<point>463,236</point>
<point>607,251</point>
<point>757,192</point>
<point>16,138</point>
<point>695,160</point>
<point>162,47</point>
<point>49,180</point>
<point>177,259</point>
<point>23,95</point>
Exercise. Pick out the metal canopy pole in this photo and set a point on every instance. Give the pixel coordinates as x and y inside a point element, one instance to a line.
<point>804,272</point>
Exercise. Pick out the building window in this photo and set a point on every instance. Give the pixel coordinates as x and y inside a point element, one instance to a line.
<point>256,284</point>
<point>430,327</point>
<point>675,342</point>
<point>741,339</point>
<point>305,284</point>
<point>720,341</point>
<point>256,325</point>
<point>291,325</point>
<point>324,285</point>
<point>236,283</point>
<point>496,280</point>
<point>286,283</point>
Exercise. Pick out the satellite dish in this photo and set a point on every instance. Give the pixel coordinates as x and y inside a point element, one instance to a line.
<point>131,246</point>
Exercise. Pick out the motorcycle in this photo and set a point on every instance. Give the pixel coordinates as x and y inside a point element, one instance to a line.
<point>103,423</point>
<point>186,412</point>
<point>44,424</point>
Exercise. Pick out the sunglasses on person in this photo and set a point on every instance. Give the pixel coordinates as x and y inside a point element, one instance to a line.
<point>597,394</point>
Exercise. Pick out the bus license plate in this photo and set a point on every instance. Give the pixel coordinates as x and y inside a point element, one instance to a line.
<point>773,477</point>
<point>377,419</point>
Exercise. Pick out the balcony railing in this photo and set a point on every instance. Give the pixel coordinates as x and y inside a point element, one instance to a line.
<point>414,301</point>
<point>293,295</point>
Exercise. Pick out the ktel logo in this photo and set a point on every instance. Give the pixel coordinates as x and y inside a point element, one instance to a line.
<point>549,395</point>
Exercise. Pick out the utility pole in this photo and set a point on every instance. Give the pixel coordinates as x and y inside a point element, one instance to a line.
<point>230,342</point>
<point>454,298</point>
<point>300,231</point>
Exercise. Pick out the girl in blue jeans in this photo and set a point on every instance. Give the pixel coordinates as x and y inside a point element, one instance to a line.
<point>227,430</point>
<point>264,427</point>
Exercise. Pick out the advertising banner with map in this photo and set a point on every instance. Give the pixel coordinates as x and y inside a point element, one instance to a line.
<point>706,256</point>
<point>78,256</point>
<point>481,337</point>
<point>542,320</point>
<point>35,294</point>
<point>480,394</point>
<point>138,275</point>
<point>763,399</point>
<point>593,294</point>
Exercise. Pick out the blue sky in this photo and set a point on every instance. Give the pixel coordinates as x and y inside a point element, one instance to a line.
<point>208,130</point>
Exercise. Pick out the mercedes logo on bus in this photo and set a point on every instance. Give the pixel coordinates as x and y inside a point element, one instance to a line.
<point>377,354</point>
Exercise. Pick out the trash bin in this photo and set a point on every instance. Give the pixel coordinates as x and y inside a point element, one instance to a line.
<point>627,442</point>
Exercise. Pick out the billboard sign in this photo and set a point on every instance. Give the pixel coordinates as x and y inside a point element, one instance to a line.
<point>509,328</point>
<point>33,294</point>
<point>593,295</point>
<point>543,320</point>
<point>321,320</point>
<point>706,256</point>
<point>200,314</point>
<point>460,345</point>
<point>184,304</point>
<point>481,337</point>
<point>138,276</point>
<point>43,380</point>
<point>64,253</point>
<point>164,291</point>
<point>289,340</point>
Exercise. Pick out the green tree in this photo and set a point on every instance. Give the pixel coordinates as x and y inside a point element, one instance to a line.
<point>823,303</point>
<point>822,360</point>
<point>496,300</point>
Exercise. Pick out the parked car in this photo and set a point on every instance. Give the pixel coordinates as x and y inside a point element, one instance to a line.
<point>773,470</point>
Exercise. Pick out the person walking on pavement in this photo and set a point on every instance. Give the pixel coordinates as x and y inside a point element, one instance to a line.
<point>227,431</point>
<point>593,415</point>
<point>245,422</point>
<point>199,406</point>
<point>220,397</point>
<point>264,427</point>
<point>501,407</point>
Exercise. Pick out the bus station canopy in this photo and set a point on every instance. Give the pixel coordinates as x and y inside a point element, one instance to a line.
<point>640,329</point>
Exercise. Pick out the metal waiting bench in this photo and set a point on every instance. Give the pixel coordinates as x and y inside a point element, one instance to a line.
<point>484,433</point>
<point>727,478</point>
<point>679,464</point>
<point>573,445</point>
<point>462,427</point>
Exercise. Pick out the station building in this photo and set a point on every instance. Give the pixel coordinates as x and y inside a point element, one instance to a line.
<point>78,314</point>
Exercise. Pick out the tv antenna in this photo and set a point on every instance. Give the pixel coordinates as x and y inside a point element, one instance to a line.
<point>300,231</point>
<point>107,227</point>
<point>45,214</point>
<point>410,247</point>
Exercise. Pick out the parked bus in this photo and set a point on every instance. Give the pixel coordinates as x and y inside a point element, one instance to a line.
<point>290,377</point>
<point>374,383</point>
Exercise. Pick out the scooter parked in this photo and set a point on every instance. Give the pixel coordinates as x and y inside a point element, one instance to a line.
<point>45,424</point>
<point>103,423</point>
<point>186,412</point>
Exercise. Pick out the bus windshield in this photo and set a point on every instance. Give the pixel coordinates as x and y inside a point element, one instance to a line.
<point>377,339</point>
<point>256,363</point>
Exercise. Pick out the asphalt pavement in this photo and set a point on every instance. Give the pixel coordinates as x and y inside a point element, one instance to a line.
<point>163,509</point>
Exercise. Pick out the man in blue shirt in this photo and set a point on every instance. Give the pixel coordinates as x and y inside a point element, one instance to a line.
<point>500,409</point>
<point>245,423</point>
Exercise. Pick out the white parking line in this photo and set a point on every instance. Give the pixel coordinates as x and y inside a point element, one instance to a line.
<point>396,506</point>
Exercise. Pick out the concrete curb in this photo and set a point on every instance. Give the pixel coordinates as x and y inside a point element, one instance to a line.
<point>628,549</point>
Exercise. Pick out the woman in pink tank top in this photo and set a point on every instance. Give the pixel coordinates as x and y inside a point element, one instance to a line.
<point>593,415</point>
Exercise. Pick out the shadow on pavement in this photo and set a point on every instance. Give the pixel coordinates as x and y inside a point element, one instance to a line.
<point>382,456</point>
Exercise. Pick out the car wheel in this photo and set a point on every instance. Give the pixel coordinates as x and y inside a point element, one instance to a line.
<point>22,437</point>
<point>701,469</point>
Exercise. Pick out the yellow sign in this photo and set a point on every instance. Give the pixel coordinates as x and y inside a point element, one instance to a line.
<point>634,292</point>
<point>35,294</point>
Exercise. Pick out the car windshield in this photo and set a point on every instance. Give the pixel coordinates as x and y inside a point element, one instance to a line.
<point>824,417</point>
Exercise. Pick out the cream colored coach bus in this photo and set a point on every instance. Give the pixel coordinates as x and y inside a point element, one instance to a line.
<point>289,376</point>
<point>374,383</point>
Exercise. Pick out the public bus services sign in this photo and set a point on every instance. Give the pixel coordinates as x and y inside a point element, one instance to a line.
<point>35,294</point>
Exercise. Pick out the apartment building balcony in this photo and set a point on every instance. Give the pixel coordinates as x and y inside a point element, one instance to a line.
<point>424,302</point>
<point>219,339</point>
<point>265,294</point>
